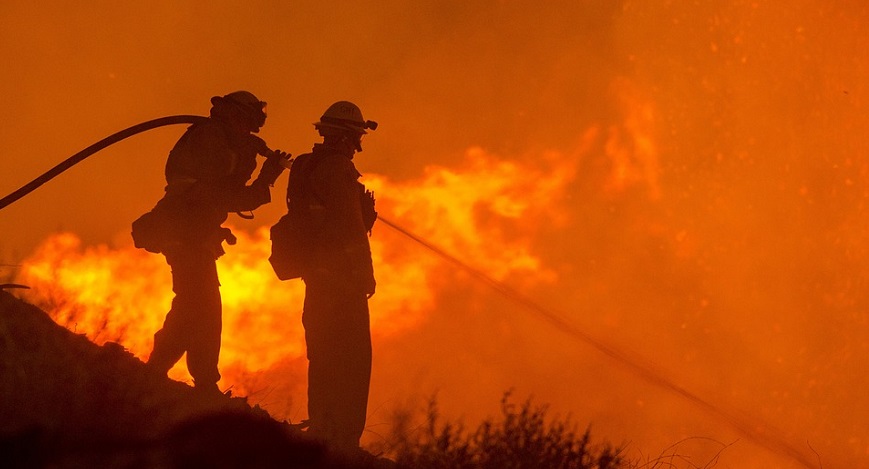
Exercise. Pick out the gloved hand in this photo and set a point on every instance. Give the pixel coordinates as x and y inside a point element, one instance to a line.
<point>369,215</point>
<point>272,168</point>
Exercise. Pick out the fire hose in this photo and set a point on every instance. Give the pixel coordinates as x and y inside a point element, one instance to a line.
<point>78,157</point>
<point>746,427</point>
<point>754,430</point>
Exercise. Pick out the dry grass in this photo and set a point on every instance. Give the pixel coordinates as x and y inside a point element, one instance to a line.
<point>521,438</point>
<point>67,402</point>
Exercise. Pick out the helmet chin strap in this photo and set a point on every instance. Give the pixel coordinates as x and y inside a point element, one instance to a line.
<point>357,144</point>
<point>343,142</point>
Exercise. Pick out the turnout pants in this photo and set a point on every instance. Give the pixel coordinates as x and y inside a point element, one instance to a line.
<point>193,325</point>
<point>338,342</point>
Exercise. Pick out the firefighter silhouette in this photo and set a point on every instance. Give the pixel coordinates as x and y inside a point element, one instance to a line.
<point>206,179</point>
<point>337,214</point>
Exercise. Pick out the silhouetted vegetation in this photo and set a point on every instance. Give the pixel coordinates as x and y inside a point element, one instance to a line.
<point>521,438</point>
<point>70,403</point>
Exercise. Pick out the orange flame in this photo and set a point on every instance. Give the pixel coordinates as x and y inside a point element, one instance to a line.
<point>486,211</point>
<point>713,218</point>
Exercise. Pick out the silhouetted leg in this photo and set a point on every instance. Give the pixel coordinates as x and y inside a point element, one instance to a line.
<point>339,363</point>
<point>317,306</point>
<point>352,370</point>
<point>203,343</point>
<point>194,323</point>
<point>170,341</point>
<point>169,344</point>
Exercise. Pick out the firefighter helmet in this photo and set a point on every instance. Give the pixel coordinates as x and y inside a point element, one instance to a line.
<point>344,116</point>
<point>245,101</point>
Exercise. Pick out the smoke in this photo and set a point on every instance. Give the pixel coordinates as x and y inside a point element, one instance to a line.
<point>684,179</point>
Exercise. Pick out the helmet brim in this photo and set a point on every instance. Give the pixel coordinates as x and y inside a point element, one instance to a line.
<point>345,127</point>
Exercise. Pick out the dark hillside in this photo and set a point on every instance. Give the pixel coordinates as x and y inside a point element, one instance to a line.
<point>66,402</point>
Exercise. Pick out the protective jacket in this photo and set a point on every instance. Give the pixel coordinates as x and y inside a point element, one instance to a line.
<point>206,175</point>
<point>324,185</point>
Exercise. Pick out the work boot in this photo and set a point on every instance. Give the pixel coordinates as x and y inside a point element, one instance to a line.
<point>208,390</point>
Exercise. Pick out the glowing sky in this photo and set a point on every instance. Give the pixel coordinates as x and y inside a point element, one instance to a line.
<point>707,162</point>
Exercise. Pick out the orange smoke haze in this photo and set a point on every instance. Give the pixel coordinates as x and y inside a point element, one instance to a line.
<point>121,294</point>
<point>686,181</point>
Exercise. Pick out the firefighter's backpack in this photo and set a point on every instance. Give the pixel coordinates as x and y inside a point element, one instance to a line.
<point>288,257</point>
<point>294,235</point>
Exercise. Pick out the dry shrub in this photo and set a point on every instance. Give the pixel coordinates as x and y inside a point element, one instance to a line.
<point>521,438</point>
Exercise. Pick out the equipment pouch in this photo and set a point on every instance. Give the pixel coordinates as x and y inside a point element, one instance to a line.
<point>289,255</point>
<point>154,231</point>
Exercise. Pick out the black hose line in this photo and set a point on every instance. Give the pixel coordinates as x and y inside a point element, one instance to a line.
<point>111,139</point>
<point>756,432</point>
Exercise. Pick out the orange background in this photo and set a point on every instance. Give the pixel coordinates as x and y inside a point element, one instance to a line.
<point>687,180</point>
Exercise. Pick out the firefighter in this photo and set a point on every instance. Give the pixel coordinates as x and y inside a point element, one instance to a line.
<point>206,179</point>
<point>339,277</point>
